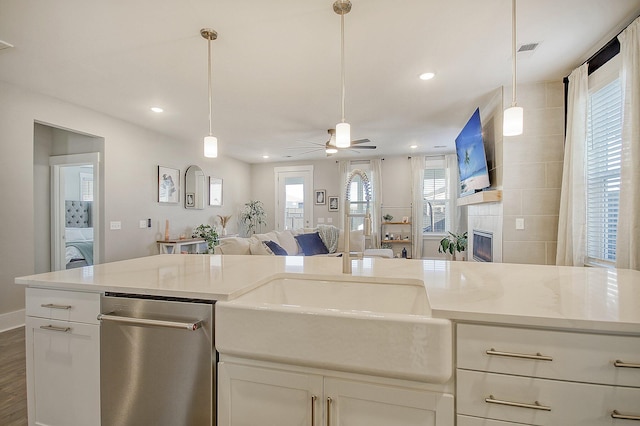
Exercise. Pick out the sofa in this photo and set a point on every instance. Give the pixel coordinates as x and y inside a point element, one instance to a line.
<point>303,242</point>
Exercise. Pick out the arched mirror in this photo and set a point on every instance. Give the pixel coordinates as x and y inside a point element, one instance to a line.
<point>194,188</point>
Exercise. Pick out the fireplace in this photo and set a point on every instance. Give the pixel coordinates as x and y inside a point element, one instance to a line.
<point>482,246</point>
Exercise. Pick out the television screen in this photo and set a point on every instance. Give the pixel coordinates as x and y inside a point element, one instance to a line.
<point>472,160</point>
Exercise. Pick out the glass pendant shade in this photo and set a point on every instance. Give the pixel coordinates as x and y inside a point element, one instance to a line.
<point>513,121</point>
<point>210,147</point>
<point>343,135</point>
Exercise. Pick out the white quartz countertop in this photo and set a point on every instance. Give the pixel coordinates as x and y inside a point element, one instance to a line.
<point>592,299</point>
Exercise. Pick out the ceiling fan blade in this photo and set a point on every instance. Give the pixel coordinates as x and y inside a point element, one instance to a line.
<point>319,145</point>
<point>308,152</point>
<point>359,141</point>
<point>364,147</point>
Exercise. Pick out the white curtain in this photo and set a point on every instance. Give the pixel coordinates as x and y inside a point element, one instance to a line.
<point>417,203</point>
<point>572,217</point>
<point>628,233</point>
<point>343,172</point>
<point>457,215</point>
<point>376,208</point>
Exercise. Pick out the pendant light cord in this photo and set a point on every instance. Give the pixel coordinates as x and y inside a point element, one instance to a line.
<point>209,76</point>
<point>513,50</point>
<point>342,59</point>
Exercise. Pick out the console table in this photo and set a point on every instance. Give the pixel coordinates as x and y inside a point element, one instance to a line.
<point>176,245</point>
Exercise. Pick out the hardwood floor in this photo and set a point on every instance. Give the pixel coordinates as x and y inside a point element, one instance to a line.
<point>13,382</point>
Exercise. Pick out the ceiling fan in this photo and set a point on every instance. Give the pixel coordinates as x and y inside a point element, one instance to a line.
<point>330,147</point>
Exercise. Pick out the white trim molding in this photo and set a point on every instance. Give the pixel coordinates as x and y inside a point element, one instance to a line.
<point>12,320</point>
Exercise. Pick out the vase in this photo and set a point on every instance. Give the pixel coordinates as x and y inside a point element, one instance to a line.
<point>224,232</point>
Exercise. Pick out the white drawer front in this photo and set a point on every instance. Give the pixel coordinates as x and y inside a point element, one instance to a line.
<point>569,404</point>
<point>477,421</point>
<point>579,357</point>
<point>63,305</point>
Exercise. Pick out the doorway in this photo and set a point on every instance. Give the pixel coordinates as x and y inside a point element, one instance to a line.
<point>75,212</point>
<point>294,192</point>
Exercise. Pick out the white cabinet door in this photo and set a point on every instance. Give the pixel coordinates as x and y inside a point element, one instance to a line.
<point>63,372</point>
<point>356,403</point>
<point>249,396</point>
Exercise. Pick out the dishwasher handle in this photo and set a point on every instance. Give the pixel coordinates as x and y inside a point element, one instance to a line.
<point>190,326</point>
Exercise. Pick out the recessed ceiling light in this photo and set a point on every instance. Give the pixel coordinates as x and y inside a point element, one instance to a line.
<point>265,156</point>
<point>413,146</point>
<point>427,76</point>
<point>157,109</point>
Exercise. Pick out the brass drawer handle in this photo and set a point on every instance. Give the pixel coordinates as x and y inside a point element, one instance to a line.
<point>535,406</point>
<point>54,306</point>
<point>617,415</point>
<point>538,356</point>
<point>313,409</point>
<point>623,364</point>
<point>329,411</point>
<point>54,328</point>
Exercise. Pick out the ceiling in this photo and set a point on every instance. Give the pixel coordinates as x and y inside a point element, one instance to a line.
<point>276,64</point>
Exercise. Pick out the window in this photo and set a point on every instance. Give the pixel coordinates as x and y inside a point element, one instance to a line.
<point>603,150</point>
<point>435,197</point>
<point>86,186</point>
<point>357,197</point>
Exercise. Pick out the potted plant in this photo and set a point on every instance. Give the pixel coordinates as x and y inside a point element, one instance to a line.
<point>453,243</point>
<point>253,215</point>
<point>209,234</point>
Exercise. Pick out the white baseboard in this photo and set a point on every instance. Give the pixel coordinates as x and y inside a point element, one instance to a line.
<point>11,320</point>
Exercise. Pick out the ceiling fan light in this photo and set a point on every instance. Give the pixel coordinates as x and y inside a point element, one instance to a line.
<point>343,135</point>
<point>211,147</point>
<point>513,121</point>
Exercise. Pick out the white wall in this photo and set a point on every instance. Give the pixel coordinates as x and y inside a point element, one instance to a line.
<point>325,176</point>
<point>130,160</point>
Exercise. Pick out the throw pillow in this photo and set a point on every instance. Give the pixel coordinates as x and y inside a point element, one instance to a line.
<point>311,244</point>
<point>275,248</point>
<point>258,248</point>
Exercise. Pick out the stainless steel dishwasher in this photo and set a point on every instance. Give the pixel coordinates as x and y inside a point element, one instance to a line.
<point>157,361</point>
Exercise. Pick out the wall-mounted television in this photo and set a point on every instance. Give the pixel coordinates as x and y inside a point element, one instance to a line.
<point>472,159</point>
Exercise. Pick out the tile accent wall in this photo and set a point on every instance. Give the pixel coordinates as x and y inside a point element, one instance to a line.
<point>529,172</point>
<point>532,175</point>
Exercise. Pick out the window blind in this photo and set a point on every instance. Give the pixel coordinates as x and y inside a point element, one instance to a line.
<point>435,200</point>
<point>603,151</point>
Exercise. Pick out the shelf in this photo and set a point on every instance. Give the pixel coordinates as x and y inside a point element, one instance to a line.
<point>396,223</point>
<point>396,241</point>
<point>492,196</point>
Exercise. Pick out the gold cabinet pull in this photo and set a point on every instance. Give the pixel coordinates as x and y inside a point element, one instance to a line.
<point>313,409</point>
<point>535,406</point>
<point>54,306</point>
<point>329,411</point>
<point>618,415</point>
<point>622,364</point>
<point>538,356</point>
<point>54,328</point>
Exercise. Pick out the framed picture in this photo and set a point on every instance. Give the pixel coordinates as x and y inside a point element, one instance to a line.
<point>190,201</point>
<point>334,205</point>
<point>215,191</point>
<point>168,185</point>
<point>321,197</point>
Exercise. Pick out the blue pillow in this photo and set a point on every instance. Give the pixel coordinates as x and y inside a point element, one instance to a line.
<point>311,244</point>
<point>275,248</point>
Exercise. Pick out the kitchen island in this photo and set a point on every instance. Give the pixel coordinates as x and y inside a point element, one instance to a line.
<point>581,316</point>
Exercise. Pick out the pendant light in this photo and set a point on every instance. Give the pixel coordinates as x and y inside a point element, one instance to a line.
<point>343,129</point>
<point>210,141</point>
<point>513,119</point>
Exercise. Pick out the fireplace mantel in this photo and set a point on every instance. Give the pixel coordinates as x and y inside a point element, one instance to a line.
<point>491,196</point>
